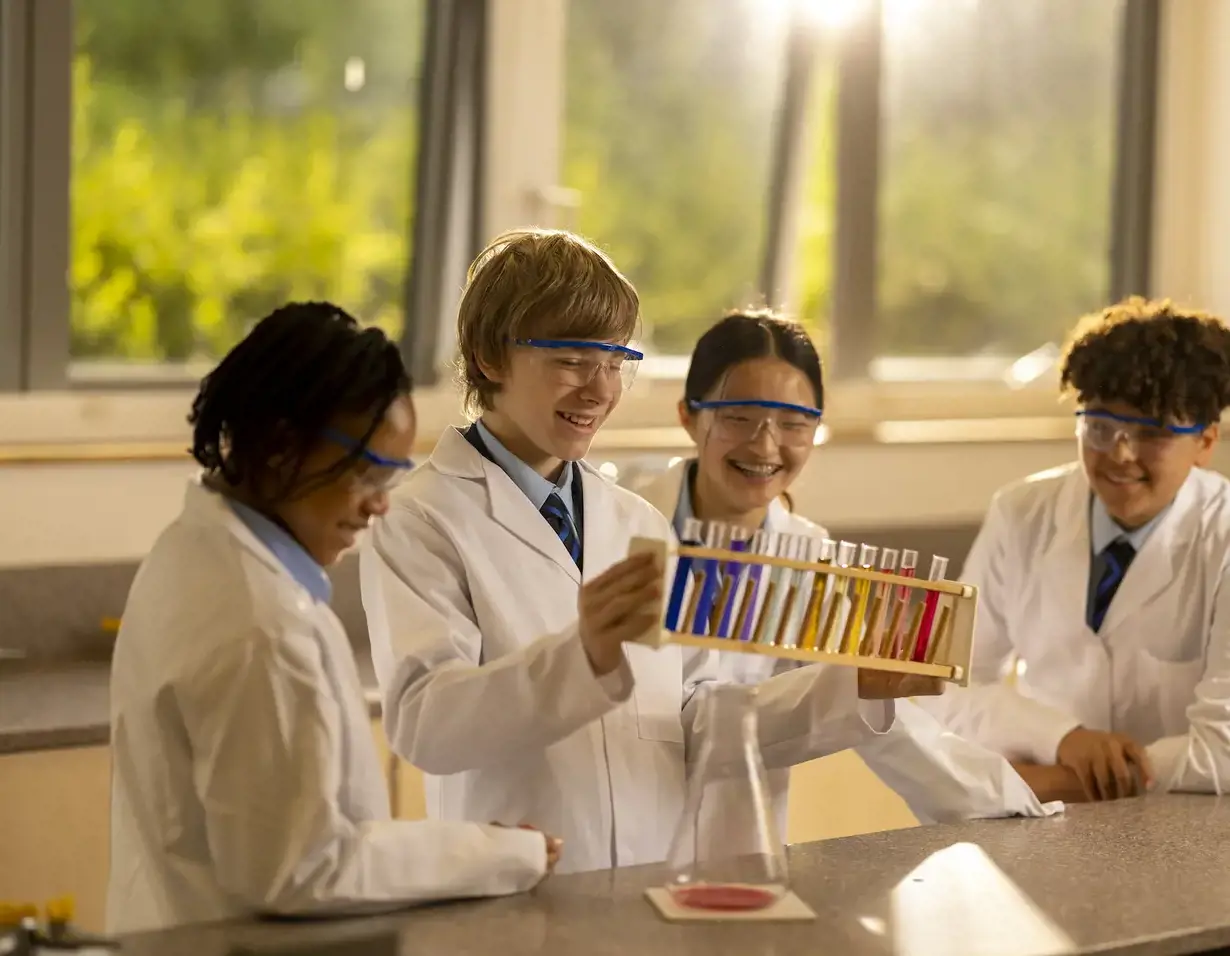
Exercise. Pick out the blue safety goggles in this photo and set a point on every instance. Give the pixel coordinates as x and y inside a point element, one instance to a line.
<point>740,420</point>
<point>376,472</point>
<point>805,410</point>
<point>574,364</point>
<point>1103,430</point>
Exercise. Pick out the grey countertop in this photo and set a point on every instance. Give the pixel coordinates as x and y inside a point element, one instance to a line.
<point>48,705</point>
<point>1145,877</point>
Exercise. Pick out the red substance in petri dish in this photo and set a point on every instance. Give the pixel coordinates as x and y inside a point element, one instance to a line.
<point>718,896</point>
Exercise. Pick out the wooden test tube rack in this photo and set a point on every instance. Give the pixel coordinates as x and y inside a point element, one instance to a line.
<point>951,640</point>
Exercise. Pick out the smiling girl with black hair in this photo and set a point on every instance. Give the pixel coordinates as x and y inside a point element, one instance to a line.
<point>753,403</point>
<point>245,775</point>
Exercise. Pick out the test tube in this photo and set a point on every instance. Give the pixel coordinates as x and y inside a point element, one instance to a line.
<point>776,598</point>
<point>874,639</point>
<point>809,634</point>
<point>792,623</point>
<point>708,574</point>
<point>831,640</point>
<point>751,587</point>
<point>723,608</point>
<point>862,596</point>
<point>692,536</point>
<point>897,627</point>
<point>939,567</point>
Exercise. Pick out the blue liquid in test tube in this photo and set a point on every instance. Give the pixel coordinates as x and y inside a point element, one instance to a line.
<point>692,536</point>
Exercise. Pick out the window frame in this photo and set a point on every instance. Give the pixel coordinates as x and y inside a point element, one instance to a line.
<point>513,93</point>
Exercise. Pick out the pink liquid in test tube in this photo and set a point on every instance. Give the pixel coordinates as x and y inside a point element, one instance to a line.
<point>939,567</point>
<point>908,569</point>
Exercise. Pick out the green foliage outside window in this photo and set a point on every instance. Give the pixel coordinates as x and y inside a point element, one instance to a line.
<point>224,161</point>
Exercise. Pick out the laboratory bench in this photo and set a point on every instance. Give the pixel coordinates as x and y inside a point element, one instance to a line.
<point>1142,877</point>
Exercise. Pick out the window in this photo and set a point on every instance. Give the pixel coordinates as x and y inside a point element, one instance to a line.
<point>996,172</point>
<point>228,156</point>
<point>935,187</point>
<point>668,139</point>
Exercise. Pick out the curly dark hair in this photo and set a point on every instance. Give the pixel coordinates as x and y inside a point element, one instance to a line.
<point>1171,363</point>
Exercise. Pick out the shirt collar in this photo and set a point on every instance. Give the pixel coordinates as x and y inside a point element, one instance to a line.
<point>535,487</point>
<point>1103,530</point>
<point>289,552</point>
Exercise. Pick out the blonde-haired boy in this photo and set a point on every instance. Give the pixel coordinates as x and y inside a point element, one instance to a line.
<point>501,604</point>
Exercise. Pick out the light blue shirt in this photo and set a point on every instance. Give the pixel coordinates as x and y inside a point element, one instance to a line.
<point>301,565</point>
<point>535,487</point>
<point>1104,531</point>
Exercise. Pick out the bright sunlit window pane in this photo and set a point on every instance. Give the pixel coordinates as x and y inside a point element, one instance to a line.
<point>233,154</point>
<point>668,140</point>
<point>997,169</point>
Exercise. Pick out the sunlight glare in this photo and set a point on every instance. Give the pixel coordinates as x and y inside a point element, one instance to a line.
<point>833,14</point>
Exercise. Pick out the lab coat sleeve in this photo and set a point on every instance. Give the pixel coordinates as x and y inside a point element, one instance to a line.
<point>802,713</point>
<point>944,778</point>
<point>1198,761</point>
<point>446,708</point>
<point>989,711</point>
<point>267,745</point>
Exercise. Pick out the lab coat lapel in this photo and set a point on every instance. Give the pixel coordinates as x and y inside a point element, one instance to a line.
<point>602,522</point>
<point>663,492</point>
<point>202,506</point>
<point>509,506</point>
<point>1154,566</point>
<point>780,519</point>
<point>1064,566</point>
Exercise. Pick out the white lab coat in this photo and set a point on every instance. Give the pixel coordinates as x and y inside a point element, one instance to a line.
<point>1159,669</point>
<point>245,777</point>
<point>471,602</point>
<point>940,776</point>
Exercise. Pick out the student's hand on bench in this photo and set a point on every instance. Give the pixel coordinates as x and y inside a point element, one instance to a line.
<point>1052,782</point>
<point>1109,766</point>
<point>619,605</point>
<point>887,685</point>
<point>555,846</point>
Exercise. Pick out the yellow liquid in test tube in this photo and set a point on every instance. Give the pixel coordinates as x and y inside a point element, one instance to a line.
<point>809,635</point>
<point>830,640</point>
<point>862,594</point>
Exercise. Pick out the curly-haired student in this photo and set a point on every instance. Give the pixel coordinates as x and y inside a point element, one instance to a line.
<point>1105,583</point>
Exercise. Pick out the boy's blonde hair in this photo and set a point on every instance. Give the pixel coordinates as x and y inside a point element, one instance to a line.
<point>537,283</point>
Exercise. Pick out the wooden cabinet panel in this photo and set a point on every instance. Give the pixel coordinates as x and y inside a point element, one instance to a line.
<point>839,796</point>
<point>405,782</point>
<point>54,823</point>
<point>411,803</point>
<point>55,828</point>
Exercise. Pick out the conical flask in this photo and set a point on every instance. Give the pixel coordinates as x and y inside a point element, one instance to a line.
<point>726,852</point>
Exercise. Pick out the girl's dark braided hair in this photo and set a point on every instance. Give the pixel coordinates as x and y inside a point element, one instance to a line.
<point>263,408</point>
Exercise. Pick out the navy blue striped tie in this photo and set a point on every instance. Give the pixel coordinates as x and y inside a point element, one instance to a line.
<point>1118,558</point>
<point>561,523</point>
